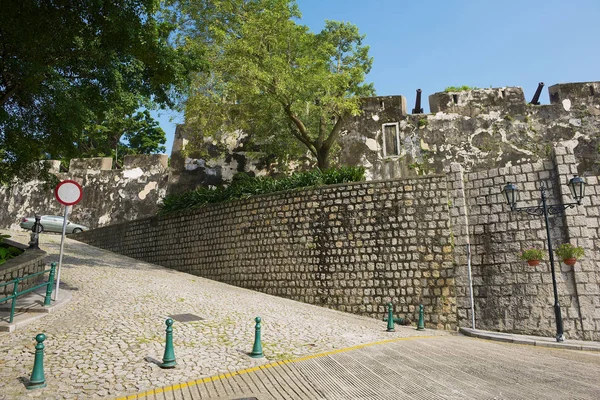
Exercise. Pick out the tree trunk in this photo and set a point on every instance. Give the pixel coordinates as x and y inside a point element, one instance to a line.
<point>323,158</point>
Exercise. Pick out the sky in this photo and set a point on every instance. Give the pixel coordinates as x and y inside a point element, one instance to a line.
<point>433,44</point>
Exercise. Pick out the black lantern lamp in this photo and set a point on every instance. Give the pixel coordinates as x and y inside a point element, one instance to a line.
<point>577,188</point>
<point>511,193</point>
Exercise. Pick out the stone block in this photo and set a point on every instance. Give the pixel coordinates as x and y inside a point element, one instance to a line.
<point>90,164</point>
<point>474,102</point>
<point>146,161</point>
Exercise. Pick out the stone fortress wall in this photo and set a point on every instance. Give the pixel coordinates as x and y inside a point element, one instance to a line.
<point>471,144</point>
<point>109,195</point>
<point>355,247</point>
<point>351,247</point>
<point>510,295</point>
<point>479,129</point>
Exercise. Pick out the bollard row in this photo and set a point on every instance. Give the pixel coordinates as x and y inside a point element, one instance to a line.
<point>38,379</point>
<point>402,321</point>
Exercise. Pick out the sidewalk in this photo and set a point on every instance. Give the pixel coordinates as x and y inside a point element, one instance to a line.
<point>30,307</point>
<point>532,340</point>
<point>106,341</point>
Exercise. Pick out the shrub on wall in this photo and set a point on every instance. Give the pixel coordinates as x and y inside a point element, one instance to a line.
<point>7,251</point>
<point>244,186</point>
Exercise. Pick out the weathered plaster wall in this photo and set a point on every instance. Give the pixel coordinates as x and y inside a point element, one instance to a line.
<point>109,196</point>
<point>480,129</point>
<point>218,162</point>
<point>350,247</point>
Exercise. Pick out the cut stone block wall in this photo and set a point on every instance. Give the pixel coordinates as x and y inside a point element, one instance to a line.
<point>351,247</point>
<point>354,247</point>
<point>510,295</point>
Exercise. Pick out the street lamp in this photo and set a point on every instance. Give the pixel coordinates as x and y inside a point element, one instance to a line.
<point>577,188</point>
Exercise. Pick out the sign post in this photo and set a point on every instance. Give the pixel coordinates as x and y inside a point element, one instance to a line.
<point>67,193</point>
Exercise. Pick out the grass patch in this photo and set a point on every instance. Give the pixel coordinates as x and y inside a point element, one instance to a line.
<point>460,88</point>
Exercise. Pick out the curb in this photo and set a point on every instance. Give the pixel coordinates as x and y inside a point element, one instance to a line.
<point>518,339</point>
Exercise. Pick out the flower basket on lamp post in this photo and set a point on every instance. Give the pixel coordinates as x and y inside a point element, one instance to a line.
<point>569,253</point>
<point>532,256</point>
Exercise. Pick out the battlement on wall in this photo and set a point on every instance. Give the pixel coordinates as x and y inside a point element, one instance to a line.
<point>577,94</point>
<point>380,103</point>
<point>96,164</point>
<point>512,99</point>
<point>473,102</point>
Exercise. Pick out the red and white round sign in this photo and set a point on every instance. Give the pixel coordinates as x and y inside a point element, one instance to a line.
<point>68,192</point>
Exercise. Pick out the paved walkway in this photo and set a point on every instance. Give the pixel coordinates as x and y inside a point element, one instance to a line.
<point>107,340</point>
<point>435,367</point>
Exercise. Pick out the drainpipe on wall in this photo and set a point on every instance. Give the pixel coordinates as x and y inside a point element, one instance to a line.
<point>470,285</point>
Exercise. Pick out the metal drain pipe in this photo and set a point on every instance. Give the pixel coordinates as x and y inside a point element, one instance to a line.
<point>470,285</point>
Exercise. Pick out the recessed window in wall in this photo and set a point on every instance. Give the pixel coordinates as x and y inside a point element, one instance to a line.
<point>391,139</point>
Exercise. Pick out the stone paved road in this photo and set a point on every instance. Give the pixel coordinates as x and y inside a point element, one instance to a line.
<point>448,367</point>
<point>105,341</point>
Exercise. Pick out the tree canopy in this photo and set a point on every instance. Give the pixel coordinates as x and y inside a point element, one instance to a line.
<point>68,67</point>
<point>289,88</point>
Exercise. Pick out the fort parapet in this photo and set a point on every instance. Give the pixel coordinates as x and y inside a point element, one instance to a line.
<point>480,129</point>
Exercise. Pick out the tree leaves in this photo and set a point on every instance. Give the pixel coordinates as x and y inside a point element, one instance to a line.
<point>68,65</point>
<point>273,78</point>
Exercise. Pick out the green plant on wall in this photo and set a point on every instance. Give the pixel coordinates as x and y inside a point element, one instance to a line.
<point>7,251</point>
<point>566,251</point>
<point>423,122</point>
<point>460,88</point>
<point>244,186</point>
<point>532,254</point>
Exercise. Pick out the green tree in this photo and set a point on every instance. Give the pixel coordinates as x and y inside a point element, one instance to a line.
<point>66,65</point>
<point>275,79</point>
<point>120,135</point>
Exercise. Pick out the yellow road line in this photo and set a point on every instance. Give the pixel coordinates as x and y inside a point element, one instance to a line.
<point>265,366</point>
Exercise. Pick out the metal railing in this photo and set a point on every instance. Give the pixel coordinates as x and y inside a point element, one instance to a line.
<point>16,293</point>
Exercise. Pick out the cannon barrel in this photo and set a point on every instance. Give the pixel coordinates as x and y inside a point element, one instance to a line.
<point>536,97</point>
<point>418,109</point>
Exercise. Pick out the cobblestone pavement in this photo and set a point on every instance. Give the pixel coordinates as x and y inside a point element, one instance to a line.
<point>435,367</point>
<point>106,341</point>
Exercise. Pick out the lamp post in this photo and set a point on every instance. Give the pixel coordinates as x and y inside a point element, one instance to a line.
<point>577,188</point>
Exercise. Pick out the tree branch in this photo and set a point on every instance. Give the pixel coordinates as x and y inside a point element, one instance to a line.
<point>334,132</point>
<point>8,94</point>
<point>301,134</point>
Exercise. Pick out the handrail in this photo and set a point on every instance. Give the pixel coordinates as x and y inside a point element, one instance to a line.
<point>22,278</point>
<point>16,293</point>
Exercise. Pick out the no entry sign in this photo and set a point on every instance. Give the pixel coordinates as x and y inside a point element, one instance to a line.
<point>68,192</point>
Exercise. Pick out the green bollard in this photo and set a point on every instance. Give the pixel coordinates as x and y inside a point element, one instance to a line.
<point>50,284</point>
<point>169,356</point>
<point>257,348</point>
<point>421,324</point>
<point>390,318</point>
<point>37,379</point>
